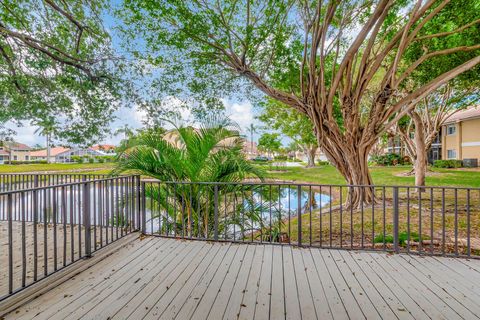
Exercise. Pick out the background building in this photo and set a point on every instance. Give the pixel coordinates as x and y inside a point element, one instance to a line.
<point>461,136</point>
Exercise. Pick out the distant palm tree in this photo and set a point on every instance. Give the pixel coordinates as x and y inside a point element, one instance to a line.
<point>211,153</point>
<point>251,129</point>
<point>46,129</point>
<point>125,130</point>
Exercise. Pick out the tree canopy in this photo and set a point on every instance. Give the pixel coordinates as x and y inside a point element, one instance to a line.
<point>347,65</point>
<point>58,66</point>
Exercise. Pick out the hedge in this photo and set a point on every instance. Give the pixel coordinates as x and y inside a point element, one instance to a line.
<point>448,163</point>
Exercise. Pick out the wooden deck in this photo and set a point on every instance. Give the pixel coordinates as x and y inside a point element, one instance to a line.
<point>158,278</point>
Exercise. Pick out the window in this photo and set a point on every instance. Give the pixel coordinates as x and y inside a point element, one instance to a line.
<point>451,129</point>
<point>451,154</point>
<point>15,158</point>
<point>27,158</point>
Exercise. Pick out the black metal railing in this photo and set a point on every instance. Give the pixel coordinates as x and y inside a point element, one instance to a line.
<point>18,181</point>
<point>427,220</point>
<point>44,229</point>
<point>47,226</point>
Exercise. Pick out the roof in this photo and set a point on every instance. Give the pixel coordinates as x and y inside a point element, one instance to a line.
<point>4,153</point>
<point>53,152</point>
<point>103,147</point>
<point>467,114</point>
<point>16,145</point>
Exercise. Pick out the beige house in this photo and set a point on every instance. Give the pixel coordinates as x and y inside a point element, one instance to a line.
<point>461,136</point>
<point>14,151</point>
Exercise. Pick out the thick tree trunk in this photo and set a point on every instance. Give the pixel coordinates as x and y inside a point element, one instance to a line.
<point>420,165</point>
<point>352,163</point>
<point>310,153</point>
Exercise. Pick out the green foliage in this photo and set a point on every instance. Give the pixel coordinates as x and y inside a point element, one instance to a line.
<point>281,158</point>
<point>91,160</point>
<point>402,238</point>
<point>212,152</point>
<point>59,68</point>
<point>78,159</point>
<point>289,122</point>
<point>17,162</point>
<point>323,163</point>
<point>389,159</point>
<point>448,163</point>
<point>269,142</point>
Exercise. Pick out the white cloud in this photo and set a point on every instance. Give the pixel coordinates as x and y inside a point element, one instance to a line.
<point>240,112</point>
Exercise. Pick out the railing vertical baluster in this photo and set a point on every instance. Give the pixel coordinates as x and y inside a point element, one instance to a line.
<point>443,221</point>
<point>299,215</point>
<point>87,217</point>
<point>420,236</point>
<point>431,221</point>
<point>10,243</point>
<point>320,221</point>
<point>215,213</point>
<point>143,208</point>
<point>468,223</point>
<point>456,222</point>
<point>24,247</point>
<point>139,203</point>
<point>408,219</point>
<point>54,218</point>
<point>35,221</point>
<point>395,220</point>
<point>341,215</point>
<point>64,223</point>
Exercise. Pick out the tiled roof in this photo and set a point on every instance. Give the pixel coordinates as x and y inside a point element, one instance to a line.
<point>4,153</point>
<point>464,115</point>
<point>53,152</point>
<point>103,147</point>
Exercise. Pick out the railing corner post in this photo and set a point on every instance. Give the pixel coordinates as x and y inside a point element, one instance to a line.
<point>396,240</point>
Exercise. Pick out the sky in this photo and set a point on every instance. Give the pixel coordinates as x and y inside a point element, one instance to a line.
<point>240,111</point>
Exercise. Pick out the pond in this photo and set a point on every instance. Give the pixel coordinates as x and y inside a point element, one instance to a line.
<point>283,200</point>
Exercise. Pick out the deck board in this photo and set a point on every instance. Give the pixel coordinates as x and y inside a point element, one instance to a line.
<point>161,278</point>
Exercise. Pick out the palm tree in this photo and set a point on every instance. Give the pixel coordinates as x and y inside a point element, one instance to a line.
<point>183,157</point>
<point>46,129</point>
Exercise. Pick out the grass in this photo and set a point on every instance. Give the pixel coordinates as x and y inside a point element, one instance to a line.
<point>380,175</point>
<point>57,167</point>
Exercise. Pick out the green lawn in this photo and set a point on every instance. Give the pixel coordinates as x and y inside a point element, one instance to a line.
<point>381,176</point>
<point>58,167</point>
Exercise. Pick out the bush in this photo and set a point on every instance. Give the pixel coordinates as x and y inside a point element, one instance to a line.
<point>17,162</point>
<point>77,159</point>
<point>402,238</point>
<point>91,160</point>
<point>448,163</point>
<point>390,159</point>
<point>280,158</point>
<point>100,159</point>
<point>323,163</point>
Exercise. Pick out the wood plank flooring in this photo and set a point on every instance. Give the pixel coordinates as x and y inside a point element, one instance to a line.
<point>159,278</point>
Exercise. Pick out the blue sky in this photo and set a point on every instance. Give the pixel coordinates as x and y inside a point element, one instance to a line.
<point>241,111</point>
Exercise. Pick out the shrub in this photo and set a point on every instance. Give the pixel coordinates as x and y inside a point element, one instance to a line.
<point>17,162</point>
<point>91,160</point>
<point>402,238</point>
<point>323,163</point>
<point>390,159</point>
<point>280,158</point>
<point>448,163</point>
<point>77,159</point>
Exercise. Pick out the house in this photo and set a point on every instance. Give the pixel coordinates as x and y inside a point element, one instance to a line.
<point>461,137</point>
<point>64,155</point>
<point>54,152</point>
<point>250,149</point>
<point>106,149</point>
<point>14,151</point>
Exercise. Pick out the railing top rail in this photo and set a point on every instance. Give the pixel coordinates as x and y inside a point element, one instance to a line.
<point>293,183</point>
<point>51,174</point>
<point>65,184</point>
